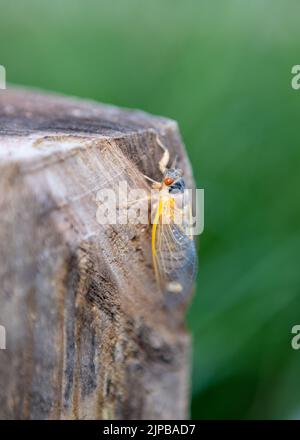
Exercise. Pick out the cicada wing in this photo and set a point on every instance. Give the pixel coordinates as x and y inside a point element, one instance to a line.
<point>175,259</point>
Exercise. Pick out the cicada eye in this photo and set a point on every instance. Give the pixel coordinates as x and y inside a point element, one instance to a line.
<point>168,181</point>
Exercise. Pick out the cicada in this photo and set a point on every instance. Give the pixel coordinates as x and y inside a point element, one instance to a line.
<point>173,247</point>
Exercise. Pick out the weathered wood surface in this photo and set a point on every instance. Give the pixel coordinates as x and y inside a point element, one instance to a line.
<point>88,334</point>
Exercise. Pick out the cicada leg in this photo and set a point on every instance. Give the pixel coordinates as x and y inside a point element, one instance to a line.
<point>163,163</point>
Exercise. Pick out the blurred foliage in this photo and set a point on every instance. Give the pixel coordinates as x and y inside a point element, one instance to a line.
<point>223,70</point>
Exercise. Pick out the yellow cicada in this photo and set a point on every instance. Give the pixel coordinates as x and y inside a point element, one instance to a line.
<point>173,248</point>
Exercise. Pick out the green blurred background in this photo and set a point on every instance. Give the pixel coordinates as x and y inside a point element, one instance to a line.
<point>222,69</point>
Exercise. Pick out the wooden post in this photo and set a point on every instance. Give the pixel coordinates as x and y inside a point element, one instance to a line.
<point>88,336</point>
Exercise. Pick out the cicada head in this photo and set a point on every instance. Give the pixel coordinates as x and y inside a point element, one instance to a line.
<point>174,181</point>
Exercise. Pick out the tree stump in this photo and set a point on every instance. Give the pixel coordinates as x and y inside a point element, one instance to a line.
<point>88,335</point>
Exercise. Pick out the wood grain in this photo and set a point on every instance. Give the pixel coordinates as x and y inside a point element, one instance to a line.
<point>88,334</point>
